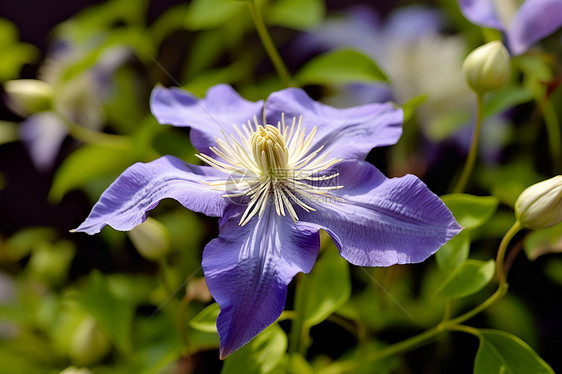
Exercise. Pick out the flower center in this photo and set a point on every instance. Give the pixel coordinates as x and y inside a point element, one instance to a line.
<point>273,164</point>
<point>270,151</point>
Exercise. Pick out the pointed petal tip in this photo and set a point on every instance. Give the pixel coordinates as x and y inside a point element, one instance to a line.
<point>223,354</point>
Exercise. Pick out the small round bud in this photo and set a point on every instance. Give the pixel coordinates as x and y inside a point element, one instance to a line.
<point>540,205</point>
<point>75,370</point>
<point>28,96</point>
<point>89,343</point>
<point>487,67</point>
<point>151,239</point>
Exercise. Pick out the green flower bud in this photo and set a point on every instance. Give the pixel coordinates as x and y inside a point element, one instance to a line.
<point>49,262</point>
<point>487,67</point>
<point>540,205</point>
<point>28,96</point>
<point>89,343</point>
<point>151,239</point>
<point>75,370</point>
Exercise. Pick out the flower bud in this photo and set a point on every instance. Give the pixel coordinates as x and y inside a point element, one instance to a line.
<point>487,67</point>
<point>28,96</point>
<point>75,370</point>
<point>540,205</point>
<point>89,343</point>
<point>151,239</point>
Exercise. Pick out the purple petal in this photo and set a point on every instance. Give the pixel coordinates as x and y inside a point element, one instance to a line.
<point>481,12</point>
<point>383,221</point>
<point>139,189</point>
<point>247,269</point>
<point>345,133</point>
<point>535,20</point>
<point>412,22</point>
<point>343,31</point>
<point>218,111</point>
<point>42,134</point>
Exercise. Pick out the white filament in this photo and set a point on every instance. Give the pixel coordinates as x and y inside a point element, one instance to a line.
<point>271,162</point>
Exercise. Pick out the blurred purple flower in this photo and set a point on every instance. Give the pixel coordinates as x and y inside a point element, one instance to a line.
<point>78,99</point>
<point>415,55</point>
<point>523,26</point>
<point>275,186</point>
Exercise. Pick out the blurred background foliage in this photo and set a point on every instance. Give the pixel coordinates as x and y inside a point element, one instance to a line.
<point>137,303</point>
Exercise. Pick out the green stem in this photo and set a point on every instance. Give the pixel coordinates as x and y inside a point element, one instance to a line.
<point>553,130</point>
<point>500,292</point>
<point>269,46</point>
<point>448,309</point>
<point>514,229</point>
<point>408,344</point>
<point>297,329</point>
<point>454,323</point>
<point>461,184</point>
<point>182,320</point>
<point>88,136</point>
<point>342,322</point>
<point>464,328</point>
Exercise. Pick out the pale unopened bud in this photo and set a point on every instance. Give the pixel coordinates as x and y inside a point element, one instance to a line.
<point>28,96</point>
<point>151,239</point>
<point>75,370</point>
<point>487,67</point>
<point>89,343</point>
<point>540,206</point>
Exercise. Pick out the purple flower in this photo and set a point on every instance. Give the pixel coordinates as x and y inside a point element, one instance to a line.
<point>523,27</point>
<point>276,184</point>
<point>411,48</point>
<point>79,100</point>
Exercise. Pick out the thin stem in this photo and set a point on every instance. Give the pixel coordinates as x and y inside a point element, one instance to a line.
<point>461,184</point>
<point>408,344</point>
<point>297,322</point>
<point>269,46</point>
<point>448,309</point>
<point>464,328</point>
<point>454,323</point>
<point>342,322</point>
<point>182,320</point>
<point>553,131</point>
<point>514,229</point>
<point>88,136</point>
<point>500,292</point>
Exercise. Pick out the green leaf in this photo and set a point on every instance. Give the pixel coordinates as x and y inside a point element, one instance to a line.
<point>206,320</point>
<point>411,105</point>
<point>469,278</point>
<point>469,210</point>
<point>340,66</point>
<point>326,288</point>
<point>542,242</point>
<point>112,313</point>
<point>453,253</point>
<point>444,125</point>
<point>14,54</point>
<point>207,14</point>
<point>514,315</point>
<point>500,352</point>
<point>505,98</point>
<point>85,164</point>
<point>8,132</point>
<point>260,355</point>
<point>296,14</point>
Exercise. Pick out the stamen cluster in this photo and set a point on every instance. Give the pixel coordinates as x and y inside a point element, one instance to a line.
<point>271,162</point>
